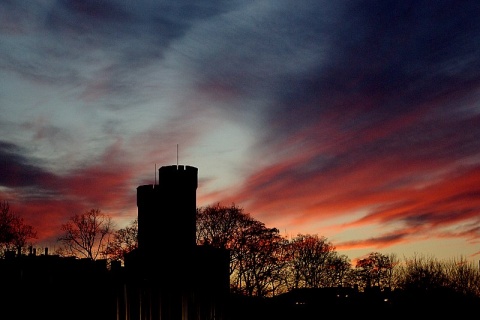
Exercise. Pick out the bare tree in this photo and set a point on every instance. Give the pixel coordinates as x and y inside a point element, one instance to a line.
<point>14,232</point>
<point>123,241</point>
<point>376,270</point>
<point>255,251</point>
<point>259,260</point>
<point>463,276</point>
<point>338,270</point>
<point>427,284</point>
<point>86,235</point>
<point>422,273</point>
<point>311,256</point>
<point>218,225</point>
<point>224,227</point>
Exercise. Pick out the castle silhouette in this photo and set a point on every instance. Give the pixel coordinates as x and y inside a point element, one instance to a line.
<point>167,277</point>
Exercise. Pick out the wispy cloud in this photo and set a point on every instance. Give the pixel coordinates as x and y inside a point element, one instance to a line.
<point>345,116</point>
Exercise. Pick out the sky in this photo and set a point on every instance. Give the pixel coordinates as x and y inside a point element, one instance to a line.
<point>358,121</point>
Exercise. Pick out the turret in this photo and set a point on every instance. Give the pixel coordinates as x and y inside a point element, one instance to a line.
<point>166,212</point>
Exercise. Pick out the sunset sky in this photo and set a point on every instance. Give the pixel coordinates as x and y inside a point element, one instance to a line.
<point>358,121</point>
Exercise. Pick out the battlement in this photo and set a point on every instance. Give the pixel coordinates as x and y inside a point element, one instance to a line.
<point>179,168</point>
<point>178,174</point>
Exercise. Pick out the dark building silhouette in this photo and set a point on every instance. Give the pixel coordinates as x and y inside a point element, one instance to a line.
<point>168,277</point>
<point>168,208</point>
<point>52,287</point>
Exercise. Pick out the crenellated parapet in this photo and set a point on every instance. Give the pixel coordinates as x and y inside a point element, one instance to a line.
<point>186,176</point>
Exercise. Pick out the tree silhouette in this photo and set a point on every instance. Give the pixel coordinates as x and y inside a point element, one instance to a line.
<point>464,276</point>
<point>122,242</point>
<point>337,271</point>
<point>422,273</point>
<point>375,270</point>
<point>255,250</point>
<point>219,225</point>
<point>86,235</point>
<point>223,227</point>
<point>259,260</point>
<point>311,259</point>
<point>426,284</point>
<point>14,232</point>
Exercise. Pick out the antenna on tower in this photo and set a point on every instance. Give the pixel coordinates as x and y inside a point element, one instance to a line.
<point>177,155</point>
<point>155,173</point>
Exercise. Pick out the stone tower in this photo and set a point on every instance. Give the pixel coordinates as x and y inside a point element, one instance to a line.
<point>166,212</point>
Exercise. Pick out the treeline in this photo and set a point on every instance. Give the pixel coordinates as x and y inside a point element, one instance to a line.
<point>263,263</point>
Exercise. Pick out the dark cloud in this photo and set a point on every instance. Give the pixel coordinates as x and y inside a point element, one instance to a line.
<point>91,11</point>
<point>122,40</point>
<point>18,171</point>
<point>376,242</point>
<point>385,60</point>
